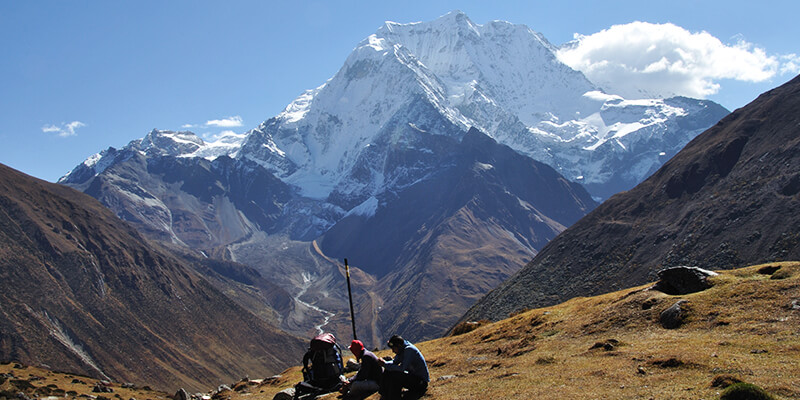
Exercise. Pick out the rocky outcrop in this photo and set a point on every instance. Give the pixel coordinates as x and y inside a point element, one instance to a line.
<point>683,280</point>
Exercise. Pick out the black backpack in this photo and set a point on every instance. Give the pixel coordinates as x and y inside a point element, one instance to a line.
<point>322,366</point>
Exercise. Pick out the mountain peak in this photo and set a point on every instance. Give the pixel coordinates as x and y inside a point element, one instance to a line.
<point>459,20</point>
<point>170,143</point>
<point>449,21</point>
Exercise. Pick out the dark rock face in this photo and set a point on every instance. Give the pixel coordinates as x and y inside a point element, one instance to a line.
<point>435,235</point>
<point>683,280</point>
<point>727,200</point>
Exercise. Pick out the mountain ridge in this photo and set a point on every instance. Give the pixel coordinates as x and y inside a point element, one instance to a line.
<point>725,200</point>
<point>84,292</point>
<point>386,121</point>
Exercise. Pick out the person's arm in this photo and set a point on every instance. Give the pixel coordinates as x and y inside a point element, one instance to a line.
<point>362,370</point>
<point>391,365</point>
<point>413,362</point>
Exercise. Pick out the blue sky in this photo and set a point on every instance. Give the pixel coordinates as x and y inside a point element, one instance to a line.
<point>79,76</point>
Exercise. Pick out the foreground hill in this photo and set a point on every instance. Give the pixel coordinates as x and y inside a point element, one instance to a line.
<point>730,198</point>
<point>613,346</point>
<point>82,291</point>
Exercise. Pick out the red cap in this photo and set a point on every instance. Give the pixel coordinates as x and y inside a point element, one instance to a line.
<point>357,348</point>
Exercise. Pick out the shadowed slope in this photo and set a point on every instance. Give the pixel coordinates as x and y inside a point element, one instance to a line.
<point>82,291</point>
<point>728,199</point>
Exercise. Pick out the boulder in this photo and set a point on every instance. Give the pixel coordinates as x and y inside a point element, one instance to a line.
<point>673,317</point>
<point>285,394</point>
<point>181,394</point>
<point>101,387</point>
<point>352,365</point>
<point>683,280</point>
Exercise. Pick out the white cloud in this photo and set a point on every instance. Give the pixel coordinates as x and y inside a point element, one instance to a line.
<point>65,130</point>
<point>230,122</point>
<point>217,136</point>
<point>790,64</point>
<point>187,126</point>
<point>641,59</point>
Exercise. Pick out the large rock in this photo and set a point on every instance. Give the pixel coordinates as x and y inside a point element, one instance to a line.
<point>683,280</point>
<point>181,394</point>
<point>285,394</point>
<point>673,317</point>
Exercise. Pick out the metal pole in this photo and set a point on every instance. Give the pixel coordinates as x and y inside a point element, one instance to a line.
<point>350,295</point>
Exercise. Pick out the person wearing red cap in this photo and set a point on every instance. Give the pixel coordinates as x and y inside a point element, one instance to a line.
<point>365,382</point>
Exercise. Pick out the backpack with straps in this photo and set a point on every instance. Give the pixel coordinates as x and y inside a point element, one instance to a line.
<point>322,364</point>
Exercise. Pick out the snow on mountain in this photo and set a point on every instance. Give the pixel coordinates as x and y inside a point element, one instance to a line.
<point>158,143</point>
<point>502,78</point>
<point>382,144</point>
<point>167,143</point>
<point>498,64</point>
<point>442,77</point>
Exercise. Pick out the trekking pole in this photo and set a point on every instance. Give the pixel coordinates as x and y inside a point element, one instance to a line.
<point>350,295</point>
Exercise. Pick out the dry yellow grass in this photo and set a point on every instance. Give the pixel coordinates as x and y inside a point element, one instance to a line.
<point>44,384</point>
<point>613,347</point>
<point>746,326</point>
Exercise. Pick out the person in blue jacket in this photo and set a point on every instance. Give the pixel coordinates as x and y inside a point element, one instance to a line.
<point>407,370</point>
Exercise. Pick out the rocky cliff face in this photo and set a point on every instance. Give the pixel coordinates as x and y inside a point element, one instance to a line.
<point>443,242</point>
<point>727,200</point>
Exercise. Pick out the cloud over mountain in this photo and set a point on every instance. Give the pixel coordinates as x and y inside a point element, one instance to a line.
<point>65,130</point>
<point>229,122</point>
<point>642,59</point>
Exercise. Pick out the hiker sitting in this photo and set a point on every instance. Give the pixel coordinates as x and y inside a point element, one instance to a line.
<point>365,382</point>
<point>407,370</point>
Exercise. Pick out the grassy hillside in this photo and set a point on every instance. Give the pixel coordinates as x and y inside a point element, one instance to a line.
<point>40,383</point>
<point>607,347</point>
<point>613,347</point>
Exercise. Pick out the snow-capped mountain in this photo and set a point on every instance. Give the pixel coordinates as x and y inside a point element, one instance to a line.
<point>501,78</point>
<point>443,77</point>
<point>385,132</point>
